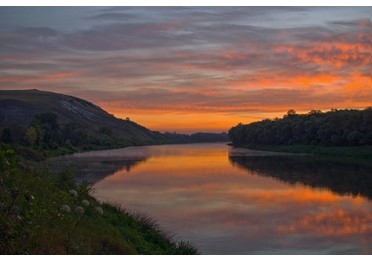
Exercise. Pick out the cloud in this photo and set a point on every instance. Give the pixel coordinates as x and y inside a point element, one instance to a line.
<point>198,59</point>
<point>121,36</point>
<point>114,16</point>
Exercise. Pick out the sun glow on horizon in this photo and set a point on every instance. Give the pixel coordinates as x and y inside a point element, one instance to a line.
<point>196,68</point>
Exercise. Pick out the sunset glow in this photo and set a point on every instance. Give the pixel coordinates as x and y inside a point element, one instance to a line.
<point>199,193</point>
<point>190,69</point>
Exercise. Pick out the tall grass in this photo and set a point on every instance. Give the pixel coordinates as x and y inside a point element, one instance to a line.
<point>46,214</point>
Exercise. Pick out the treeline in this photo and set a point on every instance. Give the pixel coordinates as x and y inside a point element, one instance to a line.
<point>46,133</point>
<point>175,138</point>
<point>46,136</point>
<point>333,128</point>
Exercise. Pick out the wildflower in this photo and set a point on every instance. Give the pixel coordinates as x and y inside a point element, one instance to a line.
<point>79,210</point>
<point>99,210</point>
<point>73,192</point>
<point>65,208</point>
<point>85,202</point>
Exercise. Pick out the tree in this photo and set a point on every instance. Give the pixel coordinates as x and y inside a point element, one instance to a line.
<point>47,126</point>
<point>31,135</point>
<point>290,113</point>
<point>6,136</point>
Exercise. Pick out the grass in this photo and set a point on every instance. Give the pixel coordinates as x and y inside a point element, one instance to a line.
<point>38,153</point>
<point>46,214</point>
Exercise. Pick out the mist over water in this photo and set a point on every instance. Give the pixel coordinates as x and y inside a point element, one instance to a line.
<point>238,201</point>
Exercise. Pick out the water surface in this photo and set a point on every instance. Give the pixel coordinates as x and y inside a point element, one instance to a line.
<point>238,201</point>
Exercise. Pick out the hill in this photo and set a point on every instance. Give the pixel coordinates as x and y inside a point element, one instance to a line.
<point>54,124</point>
<point>78,121</point>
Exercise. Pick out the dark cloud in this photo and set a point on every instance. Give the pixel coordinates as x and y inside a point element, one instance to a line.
<point>27,39</point>
<point>120,36</point>
<point>114,16</point>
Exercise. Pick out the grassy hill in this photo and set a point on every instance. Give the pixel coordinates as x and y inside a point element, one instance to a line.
<point>18,109</point>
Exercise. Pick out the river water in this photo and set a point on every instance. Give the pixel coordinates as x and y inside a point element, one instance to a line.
<point>237,201</point>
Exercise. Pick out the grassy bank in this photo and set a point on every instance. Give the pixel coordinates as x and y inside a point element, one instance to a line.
<point>38,153</point>
<point>46,214</point>
<point>352,152</point>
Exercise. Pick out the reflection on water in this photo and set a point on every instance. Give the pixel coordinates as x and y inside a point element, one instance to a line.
<point>94,166</point>
<point>341,178</point>
<point>230,201</point>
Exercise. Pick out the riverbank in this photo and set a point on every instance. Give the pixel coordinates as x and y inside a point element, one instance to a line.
<point>46,214</point>
<point>362,153</point>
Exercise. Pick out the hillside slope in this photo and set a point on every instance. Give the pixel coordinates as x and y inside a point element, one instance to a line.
<point>18,109</point>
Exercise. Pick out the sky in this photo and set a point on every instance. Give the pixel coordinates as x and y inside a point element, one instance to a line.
<point>190,69</point>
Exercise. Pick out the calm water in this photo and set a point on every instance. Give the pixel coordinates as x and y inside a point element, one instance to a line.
<point>237,201</point>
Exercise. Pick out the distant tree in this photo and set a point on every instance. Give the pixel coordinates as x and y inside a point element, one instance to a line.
<point>31,135</point>
<point>290,113</point>
<point>315,112</point>
<point>47,126</point>
<point>6,136</point>
<point>354,137</point>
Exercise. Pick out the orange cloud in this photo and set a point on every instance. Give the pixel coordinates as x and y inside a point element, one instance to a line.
<point>40,78</point>
<point>190,91</point>
<point>336,223</point>
<point>332,54</point>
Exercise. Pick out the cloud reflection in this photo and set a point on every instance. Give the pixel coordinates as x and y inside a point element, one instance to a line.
<point>195,191</point>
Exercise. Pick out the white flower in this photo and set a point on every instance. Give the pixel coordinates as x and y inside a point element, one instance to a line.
<point>65,208</point>
<point>73,192</point>
<point>85,202</point>
<point>99,210</point>
<point>79,210</point>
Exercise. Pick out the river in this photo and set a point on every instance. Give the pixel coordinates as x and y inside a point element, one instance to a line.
<point>237,201</point>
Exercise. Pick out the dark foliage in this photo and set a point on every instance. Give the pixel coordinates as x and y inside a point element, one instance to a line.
<point>334,128</point>
<point>44,124</point>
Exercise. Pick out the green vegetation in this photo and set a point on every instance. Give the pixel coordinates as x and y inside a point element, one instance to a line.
<point>344,133</point>
<point>44,124</point>
<point>46,119</point>
<point>46,137</point>
<point>41,213</point>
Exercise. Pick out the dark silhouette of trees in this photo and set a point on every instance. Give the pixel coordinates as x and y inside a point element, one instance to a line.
<point>334,128</point>
<point>6,135</point>
<point>50,131</point>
